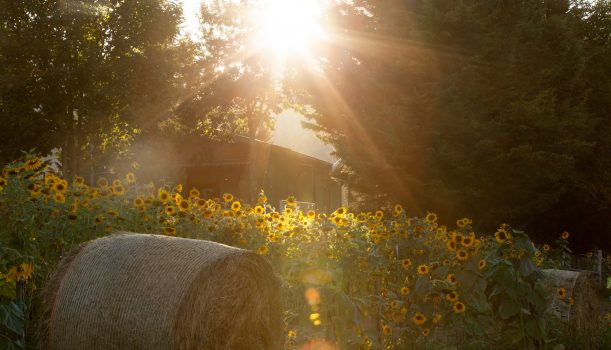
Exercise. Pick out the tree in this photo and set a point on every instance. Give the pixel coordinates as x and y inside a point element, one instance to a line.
<point>474,108</point>
<point>235,91</point>
<point>87,76</point>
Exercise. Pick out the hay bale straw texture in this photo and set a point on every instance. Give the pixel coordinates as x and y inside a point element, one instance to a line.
<point>137,291</point>
<point>581,286</point>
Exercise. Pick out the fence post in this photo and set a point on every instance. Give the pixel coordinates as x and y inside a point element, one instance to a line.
<point>20,300</point>
<point>599,267</point>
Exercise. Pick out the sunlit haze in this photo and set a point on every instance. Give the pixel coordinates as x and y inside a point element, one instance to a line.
<point>190,10</point>
<point>290,134</point>
<point>287,27</point>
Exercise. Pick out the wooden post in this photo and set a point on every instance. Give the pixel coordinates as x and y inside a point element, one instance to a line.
<point>20,299</point>
<point>20,294</point>
<point>599,267</point>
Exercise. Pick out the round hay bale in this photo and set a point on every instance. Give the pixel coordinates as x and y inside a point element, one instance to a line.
<point>137,291</point>
<point>581,287</point>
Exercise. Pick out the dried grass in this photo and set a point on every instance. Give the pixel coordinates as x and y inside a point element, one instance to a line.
<point>584,314</point>
<point>135,291</point>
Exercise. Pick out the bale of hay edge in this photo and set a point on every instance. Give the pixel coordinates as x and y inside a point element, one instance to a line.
<point>581,286</point>
<point>138,291</point>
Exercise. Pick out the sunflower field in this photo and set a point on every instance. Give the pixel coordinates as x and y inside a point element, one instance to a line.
<point>369,280</point>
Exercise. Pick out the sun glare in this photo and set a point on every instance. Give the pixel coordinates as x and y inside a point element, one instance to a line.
<point>288,27</point>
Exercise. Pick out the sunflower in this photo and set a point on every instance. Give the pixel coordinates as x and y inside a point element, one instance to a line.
<point>406,263</point>
<point>74,206</point>
<point>228,197</point>
<point>184,205</point>
<point>467,242</point>
<point>32,164</point>
<point>78,180</point>
<point>394,304</point>
<point>379,215</point>
<point>451,278</point>
<point>118,190</point>
<point>426,332</point>
<point>404,291</point>
<point>59,198</point>
<point>451,245</point>
<point>446,262</point>
<point>436,318</point>
<point>130,178</point>
<point>340,212</point>
<point>482,264</point>
<point>502,236</point>
<point>452,296</point>
<point>565,235</point>
<point>386,329</point>
<point>546,247</point>
<point>262,199</point>
<point>3,182</point>
<point>260,222</point>
<point>235,206</point>
<point>459,307</point>
<point>561,293</point>
<point>457,237</point>
<point>207,213</point>
<point>169,230</point>
<point>60,186</point>
<point>163,196</point>
<point>259,210</point>
<point>11,275</point>
<point>291,201</point>
<point>35,191</point>
<point>102,182</point>
<point>138,202</point>
<point>419,318</point>
<point>423,270</point>
<point>178,188</point>
<point>462,255</point>
<point>170,210</point>
<point>288,211</point>
<point>194,193</point>
<point>311,214</point>
<point>201,203</point>
<point>21,272</point>
<point>431,218</point>
<point>263,250</point>
<point>461,223</point>
<point>337,220</point>
<point>398,209</point>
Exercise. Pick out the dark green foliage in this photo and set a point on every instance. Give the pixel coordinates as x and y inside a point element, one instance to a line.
<point>86,75</point>
<point>496,110</point>
<point>12,325</point>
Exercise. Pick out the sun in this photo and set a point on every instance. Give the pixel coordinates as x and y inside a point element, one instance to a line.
<point>288,27</point>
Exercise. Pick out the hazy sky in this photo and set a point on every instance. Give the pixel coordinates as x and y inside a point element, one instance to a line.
<point>290,134</point>
<point>190,9</point>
